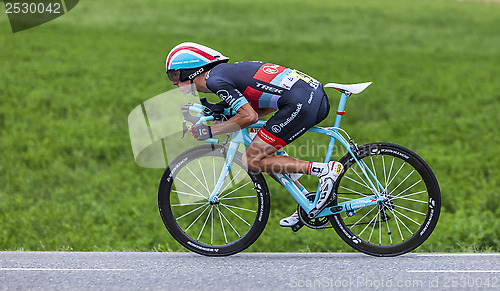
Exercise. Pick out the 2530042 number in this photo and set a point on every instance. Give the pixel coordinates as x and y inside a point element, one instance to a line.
<point>471,282</point>
<point>32,8</point>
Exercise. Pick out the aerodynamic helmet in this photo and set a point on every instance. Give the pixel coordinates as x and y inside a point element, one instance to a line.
<point>187,60</point>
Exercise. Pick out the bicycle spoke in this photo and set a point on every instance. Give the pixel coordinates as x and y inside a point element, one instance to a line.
<point>408,195</point>
<point>373,227</point>
<point>365,183</point>
<point>385,174</point>
<point>203,174</point>
<point>404,224</point>
<point>408,176</point>
<point>221,223</point>
<point>368,225</point>
<point>362,217</point>
<point>397,224</point>
<point>241,197</point>
<point>213,166</point>
<point>205,223</point>
<point>389,175</point>
<point>177,178</point>
<point>235,190</point>
<point>189,204</point>
<point>231,181</point>
<point>350,190</point>
<point>407,217</point>
<point>204,186</point>
<point>380,228</point>
<point>206,203</point>
<point>408,188</point>
<point>409,199</point>
<point>225,218</point>
<point>412,210</point>
<point>196,219</point>
<point>240,208</point>
<point>395,176</point>
<point>345,198</point>
<point>235,214</point>
<point>189,194</point>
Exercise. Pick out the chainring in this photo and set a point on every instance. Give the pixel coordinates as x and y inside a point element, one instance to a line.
<point>315,223</point>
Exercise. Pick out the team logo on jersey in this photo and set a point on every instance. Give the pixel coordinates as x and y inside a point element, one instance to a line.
<point>267,72</point>
<point>224,95</point>
<point>270,69</point>
<point>276,128</point>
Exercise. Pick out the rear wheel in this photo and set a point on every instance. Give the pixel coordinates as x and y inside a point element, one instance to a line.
<point>408,215</point>
<point>223,228</point>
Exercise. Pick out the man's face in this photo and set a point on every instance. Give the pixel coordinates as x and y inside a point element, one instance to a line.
<point>174,76</point>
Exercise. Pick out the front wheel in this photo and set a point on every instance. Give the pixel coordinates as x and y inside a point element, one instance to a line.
<point>412,201</point>
<point>213,229</point>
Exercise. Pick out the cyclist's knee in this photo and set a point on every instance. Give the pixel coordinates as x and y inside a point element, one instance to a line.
<point>256,153</point>
<point>252,163</point>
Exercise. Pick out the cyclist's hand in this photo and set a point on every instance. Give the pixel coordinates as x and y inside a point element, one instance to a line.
<point>201,131</point>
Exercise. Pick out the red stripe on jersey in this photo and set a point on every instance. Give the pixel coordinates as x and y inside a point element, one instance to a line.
<point>252,96</point>
<point>268,72</point>
<point>193,49</point>
<point>270,139</point>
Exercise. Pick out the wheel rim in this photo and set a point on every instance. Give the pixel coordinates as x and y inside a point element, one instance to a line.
<point>401,215</point>
<point>220,223</point>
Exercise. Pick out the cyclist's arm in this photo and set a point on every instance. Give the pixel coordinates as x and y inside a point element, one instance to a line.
<point>264,111</point>
<point>245,116</point>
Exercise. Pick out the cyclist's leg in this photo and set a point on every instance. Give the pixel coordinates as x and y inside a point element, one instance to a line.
<point>259,158</point>
<point>299,110</point>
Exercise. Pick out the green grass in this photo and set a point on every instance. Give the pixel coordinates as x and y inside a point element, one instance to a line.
<point>68,180</point>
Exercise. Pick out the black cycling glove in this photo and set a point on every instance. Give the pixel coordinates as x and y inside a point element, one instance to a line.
<point>201,131</point>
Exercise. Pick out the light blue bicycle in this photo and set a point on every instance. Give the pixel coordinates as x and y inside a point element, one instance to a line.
<point>388,199</point>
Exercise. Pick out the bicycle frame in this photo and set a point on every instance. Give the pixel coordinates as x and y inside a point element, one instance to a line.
<point>242,137</point>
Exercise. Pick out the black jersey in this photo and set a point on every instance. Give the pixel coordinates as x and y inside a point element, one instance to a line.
<point>258,83</point>
<point>300,99</point>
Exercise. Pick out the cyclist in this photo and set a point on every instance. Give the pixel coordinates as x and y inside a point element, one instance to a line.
<point>256,89</point>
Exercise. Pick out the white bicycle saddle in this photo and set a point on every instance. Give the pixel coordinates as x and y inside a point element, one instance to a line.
<point>352,88</point>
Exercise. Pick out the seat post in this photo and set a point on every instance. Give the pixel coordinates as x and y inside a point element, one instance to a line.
<point>340,109</point>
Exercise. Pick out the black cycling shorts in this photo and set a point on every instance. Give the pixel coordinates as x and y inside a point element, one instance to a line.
<point>298,110</point>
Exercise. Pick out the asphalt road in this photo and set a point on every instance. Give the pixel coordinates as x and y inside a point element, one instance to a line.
<point>247,271</point>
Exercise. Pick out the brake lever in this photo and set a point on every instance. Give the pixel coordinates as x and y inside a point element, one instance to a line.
<point>184,129</point>
<point>187,117</point>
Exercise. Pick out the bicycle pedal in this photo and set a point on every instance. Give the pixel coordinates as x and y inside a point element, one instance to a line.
<point>297,226</point>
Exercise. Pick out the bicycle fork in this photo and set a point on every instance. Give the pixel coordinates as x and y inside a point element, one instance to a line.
<point>231,152</point>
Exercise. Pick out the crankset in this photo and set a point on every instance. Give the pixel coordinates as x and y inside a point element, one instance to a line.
<point>314,223</point>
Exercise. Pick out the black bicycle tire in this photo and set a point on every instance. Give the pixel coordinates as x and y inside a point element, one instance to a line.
<point>192,244</point>
<point>433,208</point>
